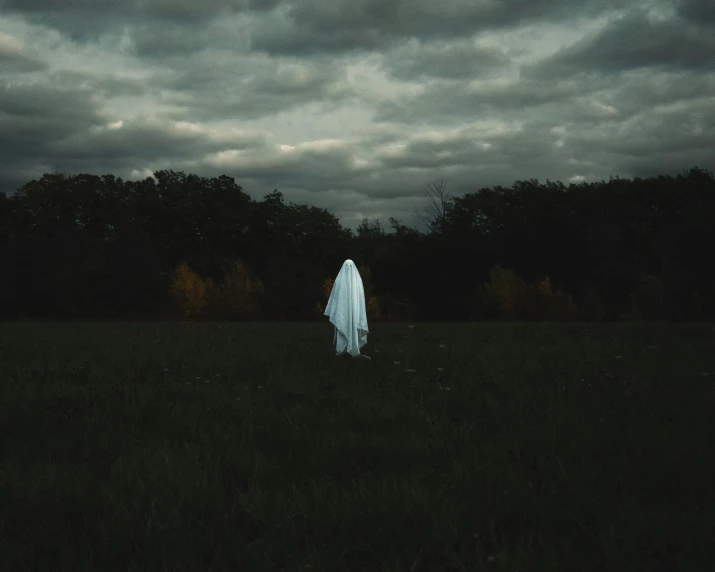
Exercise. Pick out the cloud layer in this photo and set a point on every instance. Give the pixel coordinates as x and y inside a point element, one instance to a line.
<point>355,106</point>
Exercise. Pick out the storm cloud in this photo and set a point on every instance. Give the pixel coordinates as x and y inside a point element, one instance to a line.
<point>355,106</point>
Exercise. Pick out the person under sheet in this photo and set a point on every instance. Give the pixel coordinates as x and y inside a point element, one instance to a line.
<point>346,310</point>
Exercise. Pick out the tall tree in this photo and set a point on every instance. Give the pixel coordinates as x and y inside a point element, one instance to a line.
<point>439,203</point>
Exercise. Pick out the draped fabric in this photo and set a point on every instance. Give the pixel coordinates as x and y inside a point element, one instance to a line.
<point>346,311</point>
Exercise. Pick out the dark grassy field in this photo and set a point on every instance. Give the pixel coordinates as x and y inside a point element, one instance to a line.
<point>249,447</point>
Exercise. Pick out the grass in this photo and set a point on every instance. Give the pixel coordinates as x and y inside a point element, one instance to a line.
<point>249,447</point>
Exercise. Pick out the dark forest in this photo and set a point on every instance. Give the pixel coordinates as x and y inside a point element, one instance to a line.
<point>91,247</point>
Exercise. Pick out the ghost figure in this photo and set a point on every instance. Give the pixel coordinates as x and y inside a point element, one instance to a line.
<point>346,310</point>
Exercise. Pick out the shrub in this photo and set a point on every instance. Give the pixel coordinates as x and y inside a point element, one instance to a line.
<point>505,292</point>
<point>240,294</point>
<point>543,303</point>
<point>187,291</point>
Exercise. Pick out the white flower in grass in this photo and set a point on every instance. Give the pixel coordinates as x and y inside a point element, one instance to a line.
<point>411,327</point>
<point>410,370</point>
<point>396,362</point>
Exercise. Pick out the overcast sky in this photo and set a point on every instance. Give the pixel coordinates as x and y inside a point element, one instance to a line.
<point>355,105</point>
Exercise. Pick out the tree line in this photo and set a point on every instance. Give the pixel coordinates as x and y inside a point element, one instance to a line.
<point>88,246</point>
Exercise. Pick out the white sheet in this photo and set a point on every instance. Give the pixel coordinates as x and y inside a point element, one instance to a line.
<point>346,311</point>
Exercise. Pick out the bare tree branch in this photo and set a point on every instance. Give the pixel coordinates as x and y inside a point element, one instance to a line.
<point>438,204</point>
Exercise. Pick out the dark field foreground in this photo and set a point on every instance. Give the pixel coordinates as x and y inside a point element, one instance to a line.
<point>249,447</point>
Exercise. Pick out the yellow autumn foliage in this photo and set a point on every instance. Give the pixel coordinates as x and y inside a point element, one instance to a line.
<point>188,291</point>
<point>511,298</point>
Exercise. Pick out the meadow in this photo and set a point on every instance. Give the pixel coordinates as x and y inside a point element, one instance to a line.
<point>456,447</point>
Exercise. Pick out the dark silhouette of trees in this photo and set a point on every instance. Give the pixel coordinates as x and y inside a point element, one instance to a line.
<point>86,246</point>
